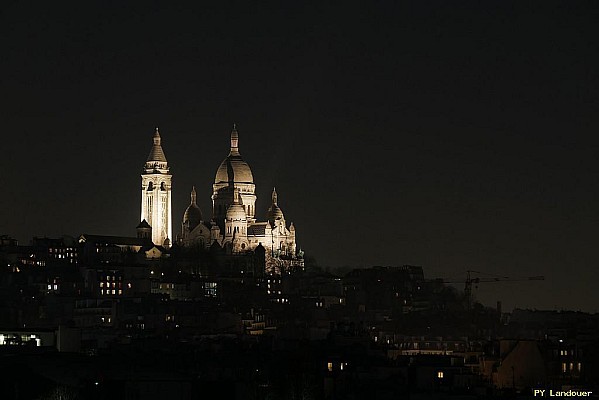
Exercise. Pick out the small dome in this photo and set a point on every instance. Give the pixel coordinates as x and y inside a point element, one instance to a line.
<point>274,212</point>
<point>193,215</point>
<point>236,211</point>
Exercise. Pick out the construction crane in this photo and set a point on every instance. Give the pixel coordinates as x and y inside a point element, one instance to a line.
<point>492,278</point>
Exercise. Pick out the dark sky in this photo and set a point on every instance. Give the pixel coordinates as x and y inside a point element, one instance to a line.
<point>452,135</point>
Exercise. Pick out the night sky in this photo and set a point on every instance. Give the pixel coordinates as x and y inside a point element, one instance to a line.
<point>452,135</point>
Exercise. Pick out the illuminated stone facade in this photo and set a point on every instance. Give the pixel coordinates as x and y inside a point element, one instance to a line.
<point>156,194</point>
<point>233,225</point>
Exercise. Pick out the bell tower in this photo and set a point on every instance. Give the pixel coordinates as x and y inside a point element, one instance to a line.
<point>156,194</point>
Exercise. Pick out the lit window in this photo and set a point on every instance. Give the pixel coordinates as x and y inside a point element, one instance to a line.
<point>571,366</point>
<point>330,366</point>
<point>563,367</point>
<point>440,374</point>
<point>579,367</point>
<point>341,366</point>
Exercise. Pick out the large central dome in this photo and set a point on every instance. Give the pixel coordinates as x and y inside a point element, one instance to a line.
<point>233,174</point>
<point>233,169</point>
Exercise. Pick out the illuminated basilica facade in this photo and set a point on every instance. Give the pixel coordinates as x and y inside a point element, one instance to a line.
<point>233,225</point>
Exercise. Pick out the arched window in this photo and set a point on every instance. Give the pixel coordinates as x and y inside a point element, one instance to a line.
<point>150,186</point>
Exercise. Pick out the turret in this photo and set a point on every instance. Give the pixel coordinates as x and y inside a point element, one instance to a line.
<point>275,214</point>
<point>193,215</point>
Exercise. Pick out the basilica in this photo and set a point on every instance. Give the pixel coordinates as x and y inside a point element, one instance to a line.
<point>233,226</point>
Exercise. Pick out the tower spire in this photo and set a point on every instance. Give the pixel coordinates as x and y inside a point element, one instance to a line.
<point>274,196</point>
<point>156,153</point>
